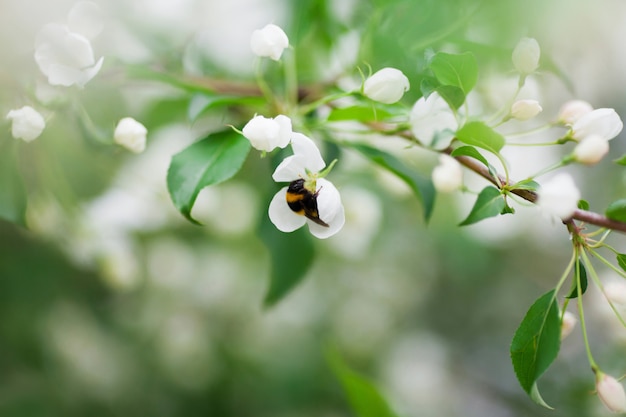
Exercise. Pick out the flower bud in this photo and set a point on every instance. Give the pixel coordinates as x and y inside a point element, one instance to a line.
<point>616,292</point>
<point>568,324</point>
<point>27,123</point>
<point>559,196</point>
<point>130,134</point>
<point>573,110</point>
<point>602,122</point>
<point>268,134</point>
<point>270,41</point>
<point>525,109</point>
<point>611,392</point>
<point>386,86</point>
<point>448,175</point>
<point>526,56</point>
<point>591,149</point>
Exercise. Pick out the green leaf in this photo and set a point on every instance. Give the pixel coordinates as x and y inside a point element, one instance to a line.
<point>471,152</point>
<point>579,269</point>
<point>360,113</point>
<point>459,70</point>
<point>489,203</point>
<point>621,261</point>
<point>422,186</point>
<point>536,344</point>
<point>12,192</point>
<point>209,161</point>
<point>621,160</point>
<point>454,96</point>
<point>291,256</point>
<point>202,102</point>
<point>365,399</point>
<point>528,184</point>
<point>583,204</point>
<point>617,210</point>
<point>480,135</point>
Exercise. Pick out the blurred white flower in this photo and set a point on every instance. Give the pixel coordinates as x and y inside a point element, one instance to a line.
<point>130,134</point>
<point>65,57</point>
<point>525,109</point>
<point>616,292</point>
<point>267,134</point>
<point>568,324</point>
<point>448,175</point>
<point>26,123</point>
<point>573,110</point>
<point>270,41</point>
<point>85,17</point>
<point>611,392</point>
<point>526,56</point>
<point>387,85</point>
<point>603,122</point>
<point>559,196</point>
<point>591,149</point>
<point>308,199</point>
<point>432,120</point>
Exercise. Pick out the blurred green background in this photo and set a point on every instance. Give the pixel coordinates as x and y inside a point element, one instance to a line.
<point>111,304</point>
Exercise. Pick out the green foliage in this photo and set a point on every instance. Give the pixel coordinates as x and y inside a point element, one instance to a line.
<point>530,185</point>
<point>209,161</point>
<point>201,103</point>
<point>291,256</point>
<point>536,344</point>
<point>471,152</point>
<point>458,70</point>
<point>360,113</point>
<point>364,397</point>
<point>479,134</point>
<point>621,261</point>
<point>621,160</point>
<point>422,186</point>
<point>12,192</point>
<point>490,203</point>
<point>580,275</point>
<point>617,210</point>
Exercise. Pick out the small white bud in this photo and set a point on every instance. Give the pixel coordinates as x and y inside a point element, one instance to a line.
<point>591,149</point>
<point>525,109</point>
<point>568,324</point>
<point>270,41</point>
<point>573,110</point>
<point>268,134</point>
<point>27,123</point>
<point>559,196</point>
<point>526,56</point>
<point>448,175</point>
<point>602,122</point>
<point>130,134</point>
<point>387,85</point>
<point>616,292</point>
<point>611,392</point>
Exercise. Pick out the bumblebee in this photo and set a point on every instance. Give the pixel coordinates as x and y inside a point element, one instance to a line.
<point>303,202</point>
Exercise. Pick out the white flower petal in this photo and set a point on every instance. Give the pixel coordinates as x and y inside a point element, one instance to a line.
<point>525,109</point>
<point>432,120</point>
<point>266,134</point>
<point>448,175</point>
<point>611,392</point>
<point>573,110</point>
<point>270,42</point>
<point>603,122</point>
<point>387,85</point>
<point>591,149</point>
<point>306,157</point>
<point>285,219</point>
<point>330,210</point>
<point>559,196</point>
<point>526,55</point>
<point>130,134</point>
<point>26,123</point>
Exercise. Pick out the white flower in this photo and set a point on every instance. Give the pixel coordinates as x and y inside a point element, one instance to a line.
<point>432,120</point>
<point>573,110</point>
<point>387,85</point>
<point>130,134</point>
<point>268,134</point>
<point>616,292</point>
<point>611,392</point>
<point>27,123</point>
<point>448,175</point>
<point>270,41</point>
<point>85,17</point>
<point>305,164</point>
<point>559,196</point>
<point>65,57</point>
<point>591,149</point>
<point>526,56</point>
<point>525,109</point>
<point>603,122</point>
<point>568,324</point>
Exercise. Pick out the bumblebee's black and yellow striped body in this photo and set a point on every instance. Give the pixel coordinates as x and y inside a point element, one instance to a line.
<point>303,202</point>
